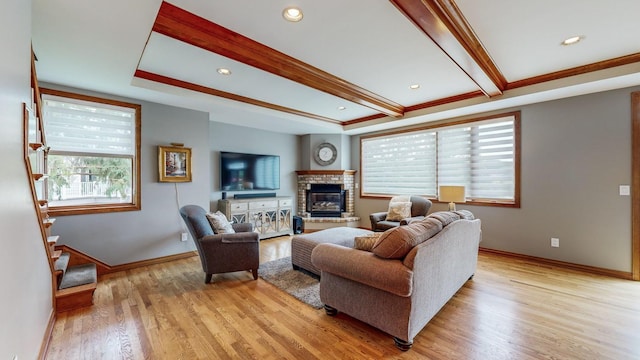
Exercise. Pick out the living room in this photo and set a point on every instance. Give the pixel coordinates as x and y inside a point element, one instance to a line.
<point>575,154</point>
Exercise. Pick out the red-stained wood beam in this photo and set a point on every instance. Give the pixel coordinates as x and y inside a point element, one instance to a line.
<point>443,22</point>
<point>182,25</point>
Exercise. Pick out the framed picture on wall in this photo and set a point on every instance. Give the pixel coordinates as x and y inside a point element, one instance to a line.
<point>174,164</point>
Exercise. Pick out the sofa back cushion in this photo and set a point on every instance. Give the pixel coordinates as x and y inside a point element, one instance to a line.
<point>396,243</point>
<point>445,217</point>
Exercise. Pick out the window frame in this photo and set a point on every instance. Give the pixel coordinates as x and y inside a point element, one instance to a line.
<point>135,204</point>
<point>515,203</point>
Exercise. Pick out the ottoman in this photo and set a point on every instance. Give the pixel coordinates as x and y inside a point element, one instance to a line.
<point>302,245</point>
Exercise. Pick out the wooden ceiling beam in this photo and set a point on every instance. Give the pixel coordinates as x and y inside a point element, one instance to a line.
<point>182,25</point>
<point>442,21</point>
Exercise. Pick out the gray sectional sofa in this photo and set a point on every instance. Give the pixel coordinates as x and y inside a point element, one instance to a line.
<point>399,286</point>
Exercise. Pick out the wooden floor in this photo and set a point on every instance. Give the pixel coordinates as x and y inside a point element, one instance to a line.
<point>512,309</point>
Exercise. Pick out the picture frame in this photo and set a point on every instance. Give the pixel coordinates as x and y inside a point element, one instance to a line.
<point>174,164</point>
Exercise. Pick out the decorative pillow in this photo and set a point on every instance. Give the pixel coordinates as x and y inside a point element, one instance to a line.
<point>219,223</point>
<point>396,243</point>
<point>445,217</point>
<point>366,242</point>
<point>398,211</point>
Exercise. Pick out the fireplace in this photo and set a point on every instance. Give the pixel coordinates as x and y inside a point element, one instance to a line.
<point>326,200</point>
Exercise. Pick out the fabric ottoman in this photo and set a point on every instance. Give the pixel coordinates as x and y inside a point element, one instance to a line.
<point>302,245</point>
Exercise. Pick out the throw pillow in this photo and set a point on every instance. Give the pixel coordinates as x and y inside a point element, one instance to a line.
<point>219,223</point>
<point>398,211</point>
<point>366,242</point>
<point>397,242</point>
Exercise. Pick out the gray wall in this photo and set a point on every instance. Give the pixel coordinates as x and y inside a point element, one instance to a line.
<point>310,142</point>
<point>24,270</point>
<point>575,153</point>
<point>124,237</point>
<point>226,137</point>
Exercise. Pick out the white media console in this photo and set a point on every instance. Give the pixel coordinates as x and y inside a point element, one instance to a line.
<point>271,216</point>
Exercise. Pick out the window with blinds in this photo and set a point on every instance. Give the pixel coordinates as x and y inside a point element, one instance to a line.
<point>478,154</point>
<point>93,158</point>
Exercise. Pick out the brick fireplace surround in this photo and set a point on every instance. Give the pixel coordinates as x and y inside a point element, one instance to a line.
<point>345,178</point>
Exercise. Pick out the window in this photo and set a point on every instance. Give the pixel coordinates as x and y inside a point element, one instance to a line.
<point>93,162</point>
<point>481,154</point>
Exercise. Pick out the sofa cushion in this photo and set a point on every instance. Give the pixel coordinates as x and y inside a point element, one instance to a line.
<point>398,211</point>
<point>219,223</point>
<point>445,217</point>
<point>397,242</point>
<point>366,242</point>
<point>465,214</point>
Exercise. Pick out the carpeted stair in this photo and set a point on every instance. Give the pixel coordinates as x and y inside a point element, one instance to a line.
<point>76,284</point>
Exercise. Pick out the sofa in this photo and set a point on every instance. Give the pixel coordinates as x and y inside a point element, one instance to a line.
<point>418,209</point>
<point>397,286</point>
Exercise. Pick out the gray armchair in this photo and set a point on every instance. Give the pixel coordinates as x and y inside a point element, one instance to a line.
<point>220,253</point>
<point>419,208</point>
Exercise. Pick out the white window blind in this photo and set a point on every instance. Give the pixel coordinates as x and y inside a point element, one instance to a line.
<point>77,126</point>
<point>400,164</point>
<point>479,155</point>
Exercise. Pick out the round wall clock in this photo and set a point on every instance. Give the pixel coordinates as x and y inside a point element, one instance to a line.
<point>325,154</point>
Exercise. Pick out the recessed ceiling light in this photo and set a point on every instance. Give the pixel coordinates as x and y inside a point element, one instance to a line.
<point>292,14</point>
<point>572,40</point>
<point>342,107</point>
<point>414,86</point>
<point>224,71</point>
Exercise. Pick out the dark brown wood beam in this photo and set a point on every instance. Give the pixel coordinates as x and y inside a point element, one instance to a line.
<point>182,25</point>
<point>443,22</point>
<point>141,74</point>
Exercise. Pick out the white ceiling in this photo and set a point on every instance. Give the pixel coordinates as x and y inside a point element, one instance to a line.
<point>369,44</point>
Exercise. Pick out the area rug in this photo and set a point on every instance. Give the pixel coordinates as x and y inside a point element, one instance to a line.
<point>296,283</point>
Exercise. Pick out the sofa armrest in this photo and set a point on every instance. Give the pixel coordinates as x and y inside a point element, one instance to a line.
<point>375,217</point>
<point>364,267</point>
<point>242,227</point>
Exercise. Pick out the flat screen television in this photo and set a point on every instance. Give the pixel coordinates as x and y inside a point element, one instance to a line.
<point>240,171</point>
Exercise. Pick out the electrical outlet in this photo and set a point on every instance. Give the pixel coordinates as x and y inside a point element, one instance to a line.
<point>184,237</point>
<point>555,242</point>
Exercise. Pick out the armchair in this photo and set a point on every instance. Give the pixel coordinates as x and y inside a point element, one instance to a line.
<point>220,253</point>
<point>419,209</point>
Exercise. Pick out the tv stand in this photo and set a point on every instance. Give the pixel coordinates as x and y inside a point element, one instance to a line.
<point>270,216</point>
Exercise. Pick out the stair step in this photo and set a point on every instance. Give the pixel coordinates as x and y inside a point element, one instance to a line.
<point>52,240</point>
<point>75,297</point>
<point>56,254</point>
<point>62,262</point>
<point>79,275</point>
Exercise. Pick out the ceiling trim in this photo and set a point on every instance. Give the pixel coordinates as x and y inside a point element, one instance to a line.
<point>579,70</point>
<point>437,102</point>
<point>442,21</point>
<point>182,25</point>
<point>141,74</point>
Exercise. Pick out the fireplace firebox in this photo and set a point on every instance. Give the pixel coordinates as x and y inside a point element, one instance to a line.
<point>326,200</point>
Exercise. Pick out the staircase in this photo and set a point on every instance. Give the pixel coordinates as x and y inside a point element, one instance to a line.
<point>76,284</point>
<point>74,278</point>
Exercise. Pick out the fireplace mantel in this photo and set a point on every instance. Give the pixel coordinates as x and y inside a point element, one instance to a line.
<point>326,172</point>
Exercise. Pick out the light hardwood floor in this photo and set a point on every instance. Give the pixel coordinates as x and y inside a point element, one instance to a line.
<point>512,309</point>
